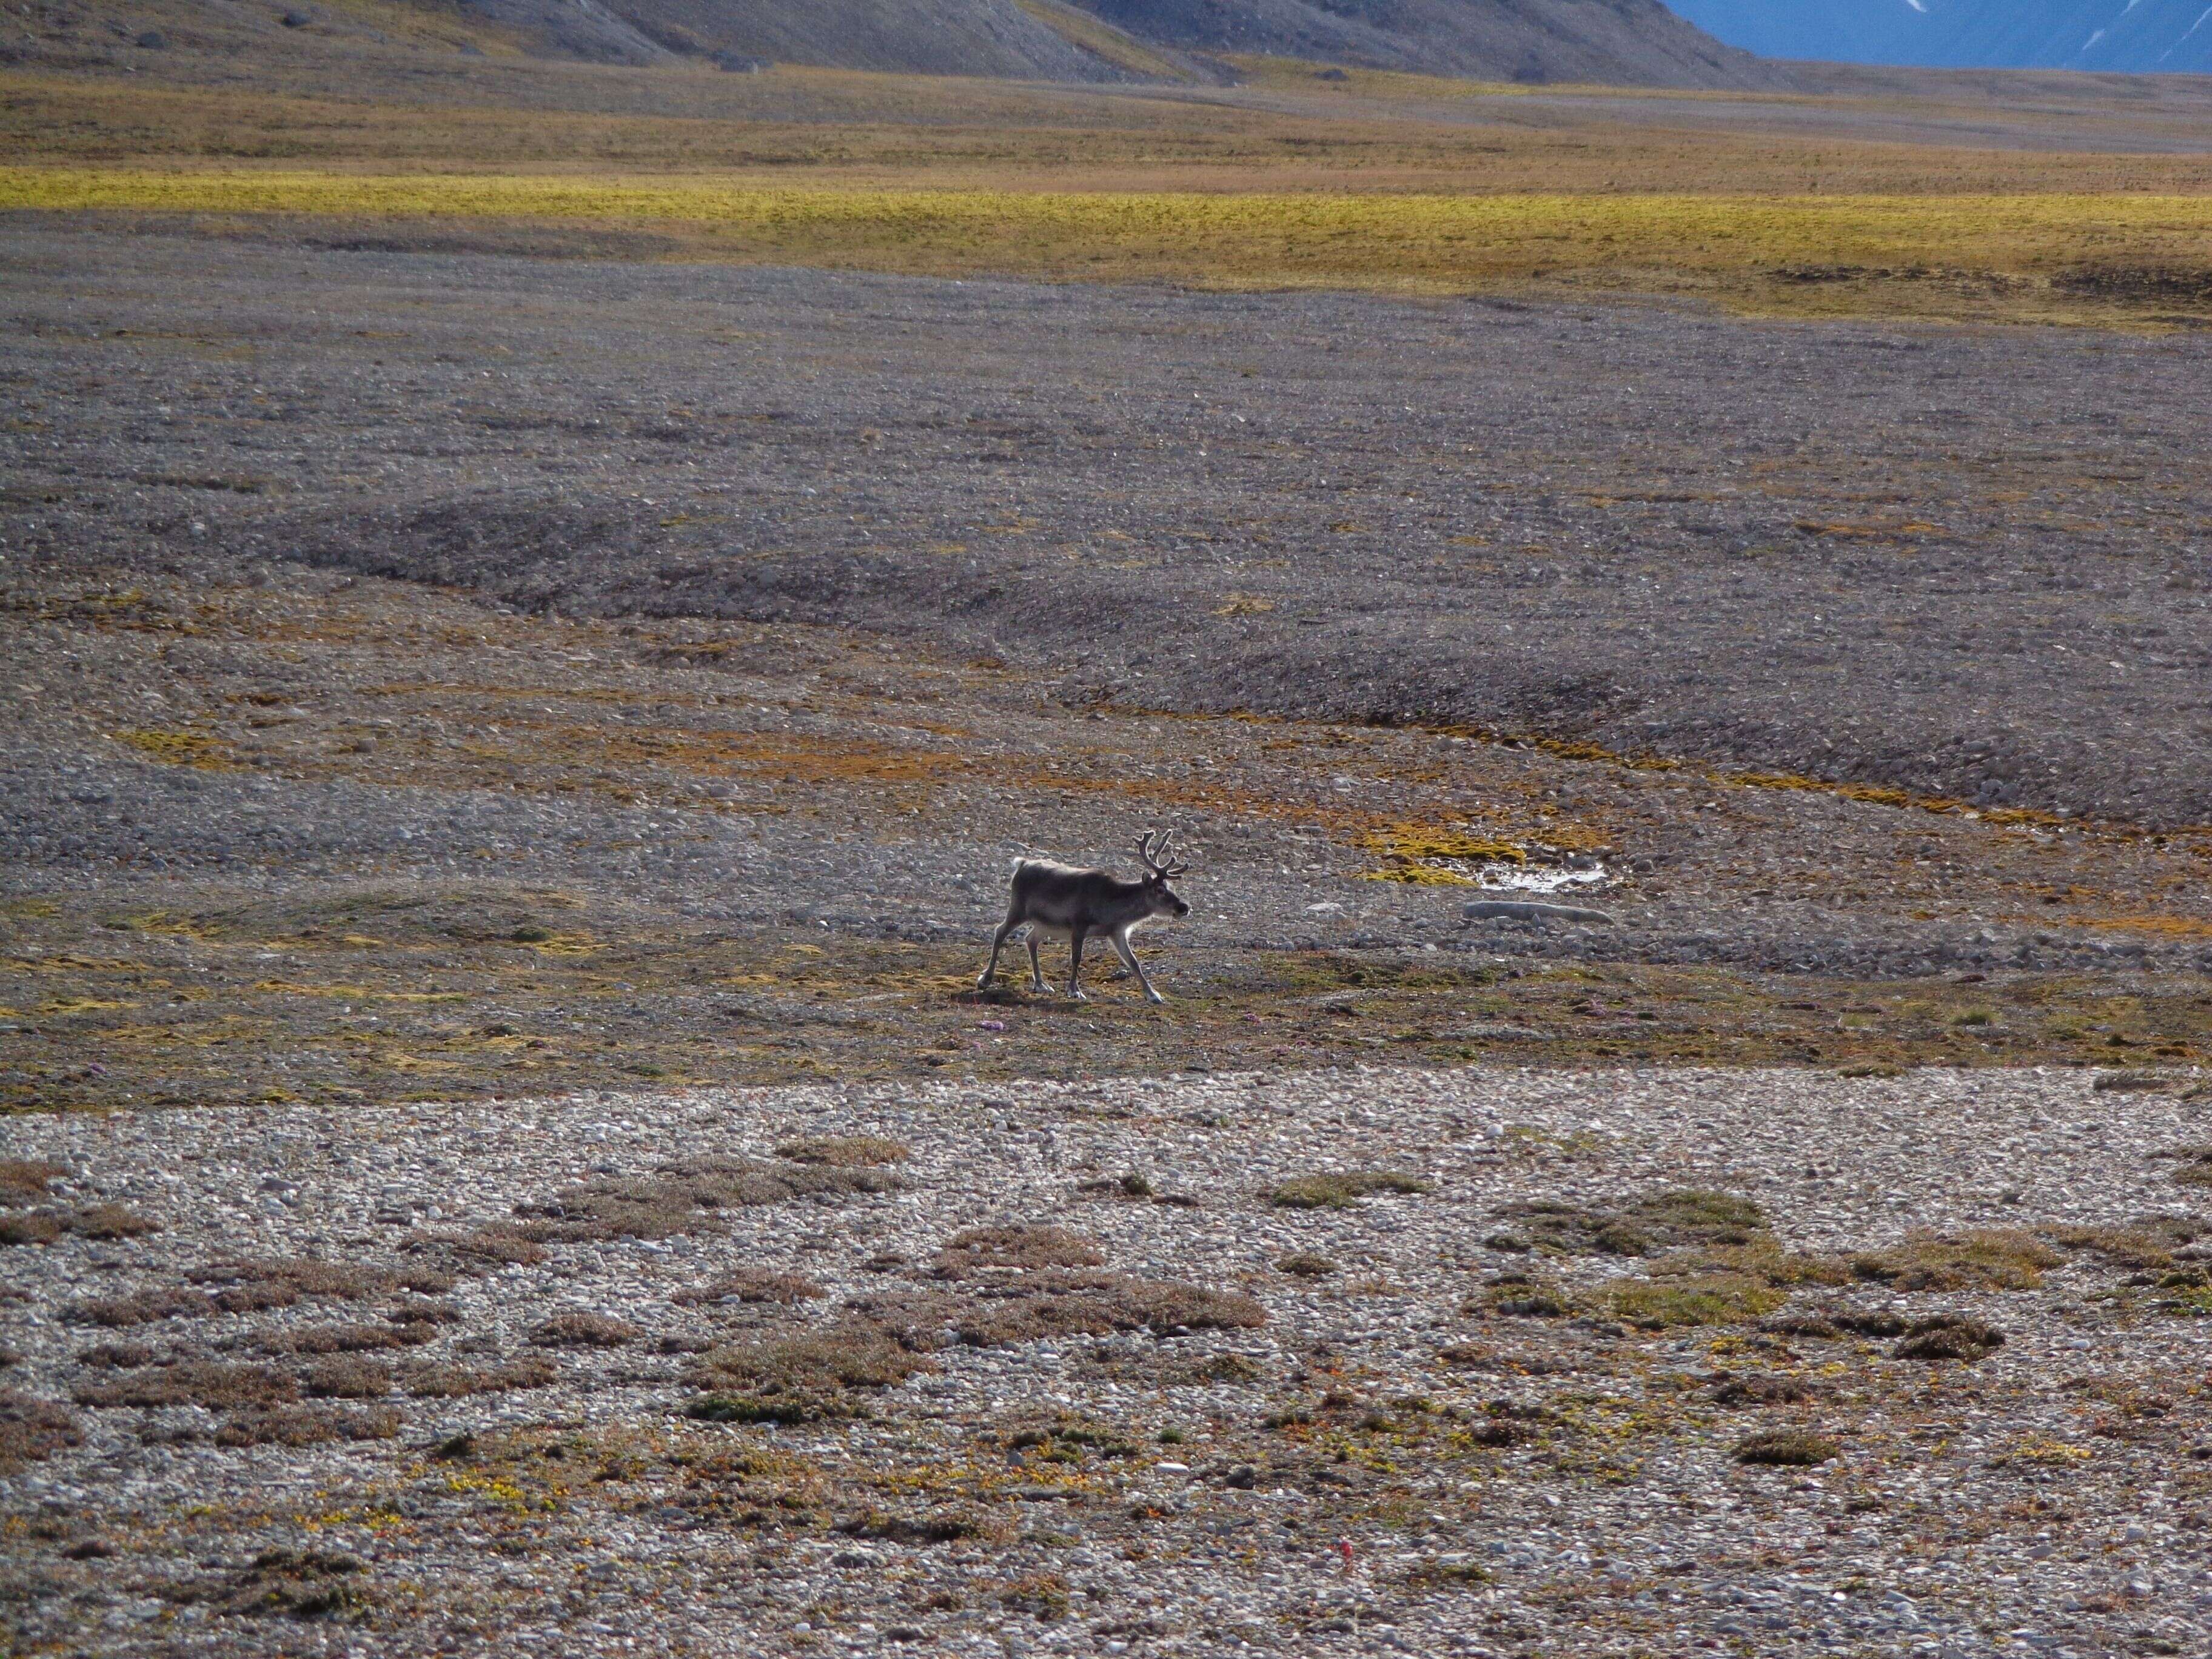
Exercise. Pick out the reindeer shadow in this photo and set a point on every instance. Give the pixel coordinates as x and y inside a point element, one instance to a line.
<point>1017,993</point>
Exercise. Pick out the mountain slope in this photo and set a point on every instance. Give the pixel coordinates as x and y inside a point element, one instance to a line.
<point>2141,36</point>
<point>1033,40</point>
<point>1632,42</point>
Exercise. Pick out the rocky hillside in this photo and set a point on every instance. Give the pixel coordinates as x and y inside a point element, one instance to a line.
<point>1638,42</point>
<point>1632,42</point>
<point>2168,36</point>
<point>1044,40</point>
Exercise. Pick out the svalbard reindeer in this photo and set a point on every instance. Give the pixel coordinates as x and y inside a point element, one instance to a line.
<point>1080,904</point>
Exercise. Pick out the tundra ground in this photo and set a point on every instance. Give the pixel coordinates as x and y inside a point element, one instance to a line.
<point>512,737</point>
<point>1484,1361</point>
<point>778,614</point>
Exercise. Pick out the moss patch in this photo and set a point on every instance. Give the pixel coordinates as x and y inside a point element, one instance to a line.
<point>1706,1299</point>
<point>1995,1260</point>
<point>1787,1448</point>
<point>1950,1336</point>
<point>750,1284</point>
<point>1340,1190</point>
<point>32,1429</point>
<point>845,1151</point>
<point>1027,1249</point>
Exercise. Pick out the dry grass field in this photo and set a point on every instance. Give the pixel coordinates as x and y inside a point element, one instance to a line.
<point>2105,258</point>
<point>2036,204</point>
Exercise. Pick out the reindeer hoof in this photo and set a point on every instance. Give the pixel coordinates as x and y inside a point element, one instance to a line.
<point>1076,995</point>
<point>1154,997</point>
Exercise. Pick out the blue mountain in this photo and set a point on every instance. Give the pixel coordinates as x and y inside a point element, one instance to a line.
<point>2140,36</point>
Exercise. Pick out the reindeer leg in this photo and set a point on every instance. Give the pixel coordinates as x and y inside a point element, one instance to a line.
<point>1075,965</point>
<point>998,942</point>
<point>1036,968</point>
<point>1129,960</point>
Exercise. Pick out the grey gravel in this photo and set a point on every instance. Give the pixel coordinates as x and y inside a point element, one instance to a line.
<point>1912,559</point>
<point>2045,1500</point>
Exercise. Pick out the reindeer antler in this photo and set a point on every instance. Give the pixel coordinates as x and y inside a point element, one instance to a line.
<point>1155,853</point>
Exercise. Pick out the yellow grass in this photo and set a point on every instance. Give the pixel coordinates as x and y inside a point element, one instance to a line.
<point>1753,252</point>
<point>859,128</point>
<point>1350,82</point>
<point>2154,925</point>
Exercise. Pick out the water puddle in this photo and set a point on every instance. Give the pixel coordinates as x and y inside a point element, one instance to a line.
<point>1418,856</point>
<point>1536,878</point>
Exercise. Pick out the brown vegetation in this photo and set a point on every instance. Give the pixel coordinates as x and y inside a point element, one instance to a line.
<point>844,1151</point>
<point>582,1328</point>
<point>450,1380</point>
<point>1997,1260</point>
<point>32,1429</point>
<point>750,1284</point>
<point>1017,1248</point>
<point>1788,1449</point>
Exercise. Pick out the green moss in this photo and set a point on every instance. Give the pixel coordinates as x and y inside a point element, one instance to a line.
<point>1998,1260</point>
<point>796,1406</point>
<point>1701,1216</point>
<point>1716,1299</point>
<point>1342,1190</point>
<point>1788,1449</point>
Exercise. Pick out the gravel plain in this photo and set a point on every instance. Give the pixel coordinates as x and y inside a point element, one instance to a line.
<point>483,710</point>
<point>1915,559</point>
<point>1420,1434</point>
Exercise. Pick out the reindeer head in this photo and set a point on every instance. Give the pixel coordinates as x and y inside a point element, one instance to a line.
<point>1166,901</point>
